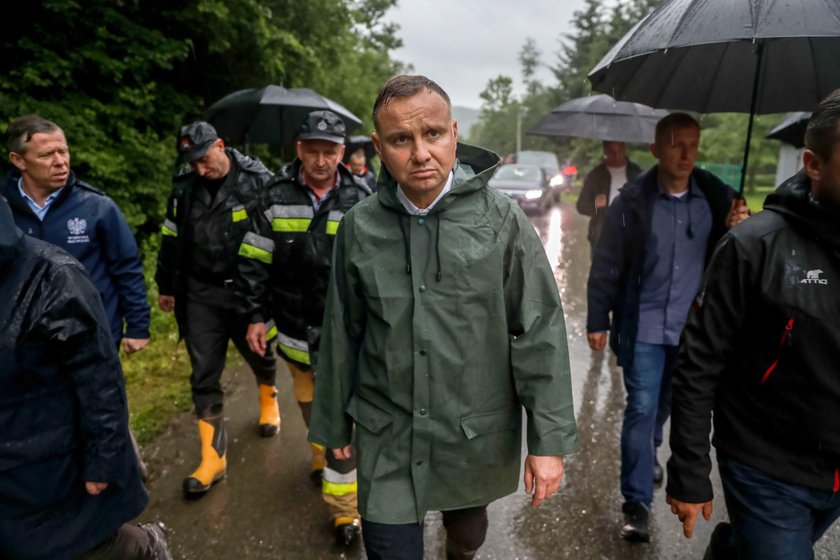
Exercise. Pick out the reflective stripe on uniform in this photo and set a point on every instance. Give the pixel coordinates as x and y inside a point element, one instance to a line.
<point>337,484</point>
<point>239,213</point>
<point>290,218</point>
<point>257,247</point>
<point>270,329</point>
<point>332,221</point>
<point>169,228</point>
<point>298,350</point>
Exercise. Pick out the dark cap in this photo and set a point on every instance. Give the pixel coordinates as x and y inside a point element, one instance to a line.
<point>322,125</point>
<point>194,140</point>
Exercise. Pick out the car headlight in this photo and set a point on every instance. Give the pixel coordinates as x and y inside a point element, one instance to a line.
<point>556,181</point>
<point>533,195</point>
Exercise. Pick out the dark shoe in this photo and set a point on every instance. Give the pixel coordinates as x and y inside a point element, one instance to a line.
<point>455,551</point>
<point>317,477</point>
<point>635,527</point>
<point>658,473</point>
<point>722,545</point>
<point>157,540</point>
<point>347,531</point>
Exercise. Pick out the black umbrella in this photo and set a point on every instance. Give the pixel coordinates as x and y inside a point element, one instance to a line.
<point>355,143</point>
<point>270,115</point>
<point>600,117</point>
<point>755,56</point>
<point>791,129</point>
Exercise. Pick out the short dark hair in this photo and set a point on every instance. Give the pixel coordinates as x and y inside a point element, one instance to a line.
<point>406,85</point>
<point>22,129</point>
<point>823,131</point>
<point>675,120</point>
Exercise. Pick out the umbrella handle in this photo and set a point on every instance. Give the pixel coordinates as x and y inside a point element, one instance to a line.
<point>753,102</point>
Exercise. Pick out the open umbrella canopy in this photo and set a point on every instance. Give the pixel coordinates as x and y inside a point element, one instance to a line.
<point>791,129</point>
<point>755,56</point>
<point>702,55</point>
<point>600,117</point>
<point>357,142</point>
<point>271,115</point>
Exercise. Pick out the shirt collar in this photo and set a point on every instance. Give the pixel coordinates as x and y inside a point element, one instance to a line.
<point>693,189</point>
<point>412,209</point>
<point>28,198</point>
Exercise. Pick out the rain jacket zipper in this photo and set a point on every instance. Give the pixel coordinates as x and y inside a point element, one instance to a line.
<point>785,339</point>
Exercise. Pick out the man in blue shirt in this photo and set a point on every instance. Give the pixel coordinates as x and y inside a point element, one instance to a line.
<point>49,203</point>
<point>646,269</point>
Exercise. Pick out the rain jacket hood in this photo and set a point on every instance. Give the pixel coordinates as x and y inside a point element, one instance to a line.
<point>793,201</point>
<point>435,370</point>
<point>473,169</point>
<point>9,236</point>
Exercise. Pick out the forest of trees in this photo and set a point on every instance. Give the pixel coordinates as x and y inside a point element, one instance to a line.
<point>120,76</point>
<point>593,31</point>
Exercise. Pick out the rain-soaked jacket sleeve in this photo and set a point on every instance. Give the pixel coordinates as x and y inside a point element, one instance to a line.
<point>539,352</point>
<point>607,270</point>
<point>126,270</point>
<point>253,269</point>
<point>344,323</point>
<point>167,261</point>
<point>73,322</point>
<point>708,343</point>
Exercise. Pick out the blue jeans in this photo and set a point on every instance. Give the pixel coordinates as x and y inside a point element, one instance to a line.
<point>771,519</point>
<point>648,384</point>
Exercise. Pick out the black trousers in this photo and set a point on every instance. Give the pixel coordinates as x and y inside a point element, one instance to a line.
<point>467,527</point>
<point>130,543</point>
<point>212,321</point>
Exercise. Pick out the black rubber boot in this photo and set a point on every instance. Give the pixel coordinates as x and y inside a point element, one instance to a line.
<point>346,534</point>
<point>635,527</point>
<point>455,551</point>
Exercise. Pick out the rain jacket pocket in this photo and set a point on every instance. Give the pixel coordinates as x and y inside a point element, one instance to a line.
<point>39,447</point>
<point>490,422</point>
<point>367,415</point>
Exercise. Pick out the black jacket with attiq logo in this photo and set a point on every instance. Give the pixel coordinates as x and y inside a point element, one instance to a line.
<point>762,350</point>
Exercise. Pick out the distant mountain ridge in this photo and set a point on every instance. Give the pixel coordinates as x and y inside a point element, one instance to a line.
<point>466,118</point>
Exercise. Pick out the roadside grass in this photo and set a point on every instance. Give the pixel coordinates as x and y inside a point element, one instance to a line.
<point>755,200</point>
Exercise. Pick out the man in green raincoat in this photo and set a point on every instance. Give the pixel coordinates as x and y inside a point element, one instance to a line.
<point>443,321</point>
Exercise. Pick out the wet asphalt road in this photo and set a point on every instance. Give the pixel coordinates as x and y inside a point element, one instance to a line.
<point>267,508</point>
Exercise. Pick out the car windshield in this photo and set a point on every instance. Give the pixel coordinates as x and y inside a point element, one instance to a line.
<point>519,173</point>
<point>543,159</point>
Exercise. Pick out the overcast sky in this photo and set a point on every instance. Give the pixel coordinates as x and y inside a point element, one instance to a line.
<point>461,44</point>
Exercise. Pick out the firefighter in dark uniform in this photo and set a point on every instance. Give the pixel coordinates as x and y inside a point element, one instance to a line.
<point>283,275</point>
<point>210,210</point>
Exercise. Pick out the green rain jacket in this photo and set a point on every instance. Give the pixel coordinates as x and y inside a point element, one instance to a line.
<point>438,330</point>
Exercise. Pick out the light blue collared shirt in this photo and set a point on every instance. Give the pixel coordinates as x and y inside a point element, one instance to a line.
<point>39,211</point>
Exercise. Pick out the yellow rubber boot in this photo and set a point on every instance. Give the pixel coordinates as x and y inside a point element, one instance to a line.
<point>213,462</point>
<point>269,411</point>
<point>319,461</point>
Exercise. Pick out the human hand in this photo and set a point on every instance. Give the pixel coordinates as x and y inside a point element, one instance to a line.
<point>542,477</point>
<point>597,340</point>
<point>94,488</point>
<point>132,345</point>
<point>166,303</point>
<point>738,212</point>
<point>687,513</point>
<point>256,338</point>
<point>342,453</point>
<point>601,201</point>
